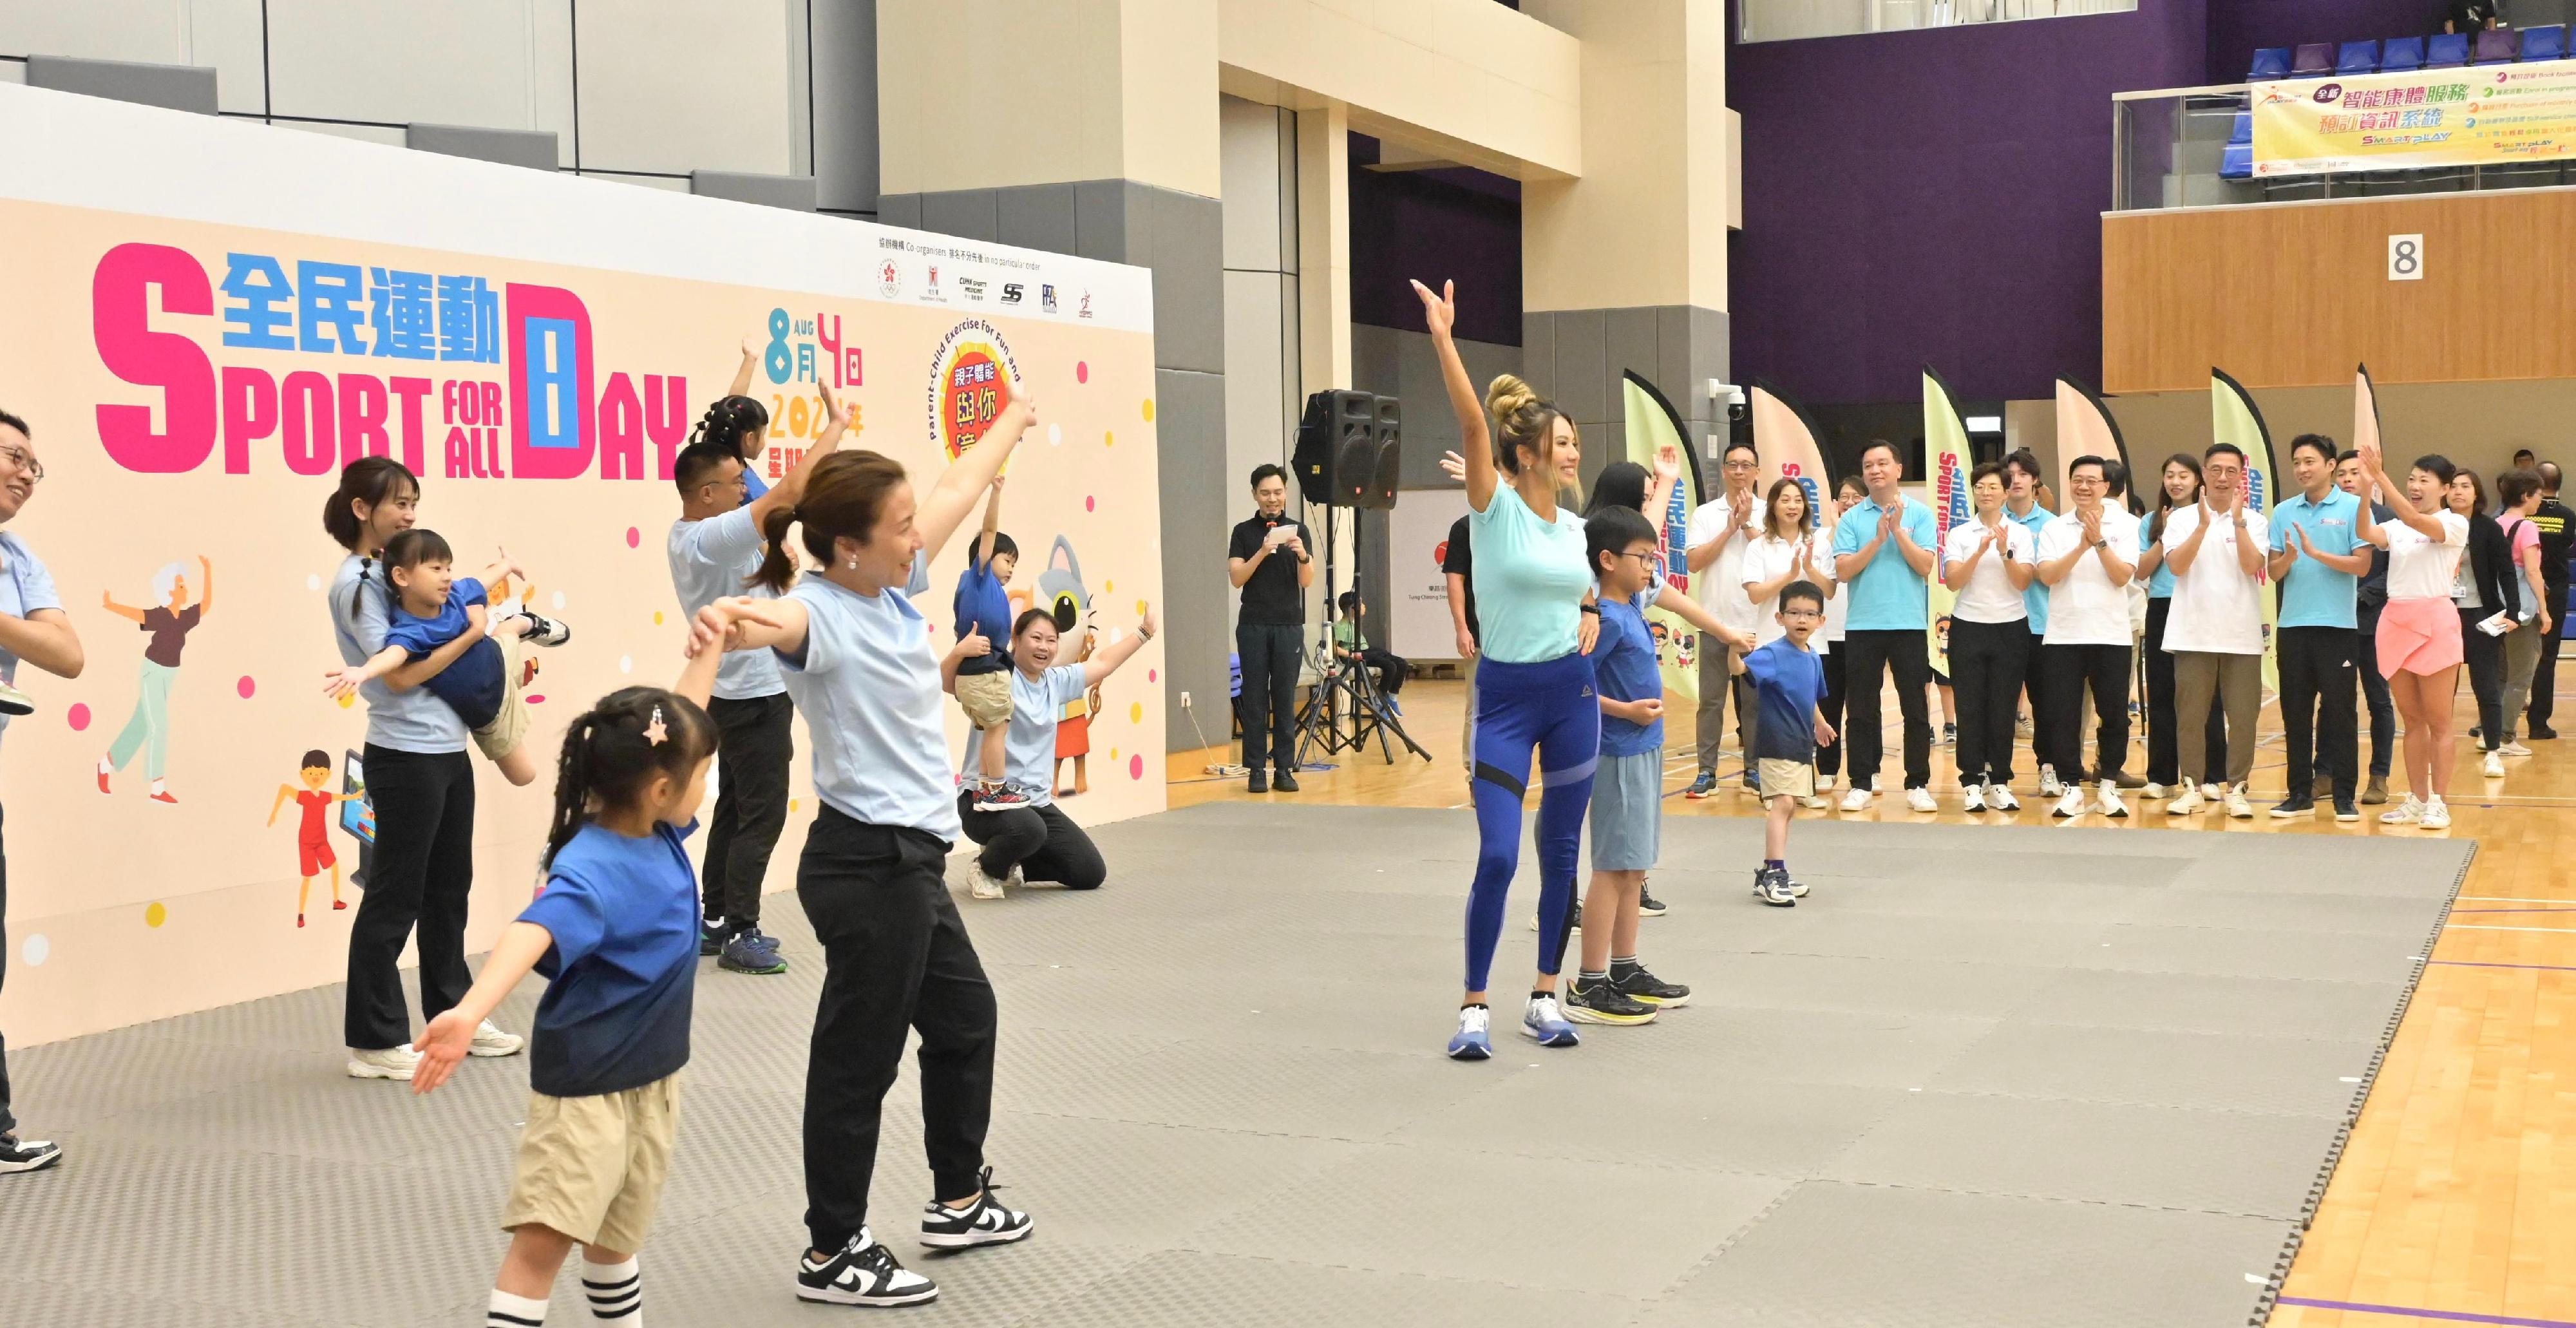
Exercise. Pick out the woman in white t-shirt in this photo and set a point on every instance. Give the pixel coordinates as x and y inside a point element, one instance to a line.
<point>1989,562</point>
<point>1829,639</point>
<point>2419,630</point>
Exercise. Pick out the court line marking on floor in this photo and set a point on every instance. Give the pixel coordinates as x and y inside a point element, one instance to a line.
<point>2559,908</point>
<point>2452,1316</point>
<point>2470,963</point>
<point>2511,899</point>
<point>2563,931</point>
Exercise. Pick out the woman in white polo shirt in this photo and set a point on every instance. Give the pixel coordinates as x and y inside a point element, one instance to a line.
<point>2214,631</point>
<point>2419,630</point>
<point>1990,563</point>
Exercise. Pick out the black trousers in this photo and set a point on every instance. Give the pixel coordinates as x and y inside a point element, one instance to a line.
<point>2374,691</point>
<point>423,871</point>
<point>1987,664</point>
<point>1829,758</point>
<point>1269,656</point>
<point>7,1121</point>
<point>2319,669</point>
<point>1390,669</point>
<point>2105,669</point>
<point>2544,678</point>
<point>2164,740</point>
<point>896,958</point>
<point>1873,656</point>
<point>755,740</point>
<point>2484,655</point>
<point>1042,842</point>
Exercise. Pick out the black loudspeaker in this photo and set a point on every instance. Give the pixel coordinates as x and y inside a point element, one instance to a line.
<point>1346,452</point>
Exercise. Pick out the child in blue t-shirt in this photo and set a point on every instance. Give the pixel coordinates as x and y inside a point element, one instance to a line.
<point>615,933</point>
<point>1790,682</point>
<point>430,608</point>
<point>983,608</point>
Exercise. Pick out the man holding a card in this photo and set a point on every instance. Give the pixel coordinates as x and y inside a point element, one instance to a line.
<point>1267,560</point>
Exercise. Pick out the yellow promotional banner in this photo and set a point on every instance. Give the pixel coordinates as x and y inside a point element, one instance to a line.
<point>1945,490</point>
<point>1653,425</point>
<point>2486,115</point>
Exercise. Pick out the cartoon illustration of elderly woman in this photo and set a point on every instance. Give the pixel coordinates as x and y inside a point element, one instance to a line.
<point>167,623</point>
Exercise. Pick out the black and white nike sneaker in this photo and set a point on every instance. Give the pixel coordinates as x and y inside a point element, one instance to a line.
<point>983,1222</point>
<point>865,1272</point>
<point>18,1154</point>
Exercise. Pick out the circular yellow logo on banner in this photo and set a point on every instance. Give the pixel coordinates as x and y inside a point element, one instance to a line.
<point>972,380</point>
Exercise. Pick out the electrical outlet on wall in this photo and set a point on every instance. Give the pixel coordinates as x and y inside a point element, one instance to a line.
<point>1185,700</point>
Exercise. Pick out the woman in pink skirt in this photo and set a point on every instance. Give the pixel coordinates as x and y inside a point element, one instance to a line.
<point>2419,631</point>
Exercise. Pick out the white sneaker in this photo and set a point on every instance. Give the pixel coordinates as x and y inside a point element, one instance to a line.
<point>2514,749</point>
<point>2494,767</point>
<point>390,1063</point>
<point>2048,785</point>
<point>1974,800</point>
<point>2436,816</point>
<point>2153,792</point>
<point>980,884</point>
<point>2213,792</point>
<point>2406,813</point>
<point>1999,797</point>
<point>1920,799</point>
<point>489,1040</point>
<point>2239,807</point>
<point>1856,800</point>
<point>1825,783</point>
<point>1815,803</point>
<point>2189,804</point>
<point>2070,805</point>
<point>2110,804</point>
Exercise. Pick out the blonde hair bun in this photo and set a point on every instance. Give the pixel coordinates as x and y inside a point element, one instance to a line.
<point>1506,395</point>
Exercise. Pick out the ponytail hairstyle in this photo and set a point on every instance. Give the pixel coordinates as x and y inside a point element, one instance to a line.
<point>1620,484</point>
<point>610,757</point>
<point>844,494</point>
<point>728,420</point>
<point>2165,498</point>
<point>1522,418</point>
<point>373,480</point>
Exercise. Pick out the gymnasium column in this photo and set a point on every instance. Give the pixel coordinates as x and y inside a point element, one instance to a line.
<point>1625,267</point>
<point>1089,127</point>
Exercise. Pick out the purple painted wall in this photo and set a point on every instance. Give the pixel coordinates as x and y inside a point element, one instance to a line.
<point>1458,224</point>
<point>2236,27</point>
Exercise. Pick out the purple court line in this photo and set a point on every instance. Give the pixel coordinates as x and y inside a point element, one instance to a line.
<point>2454,1316</point>
<point>2463,963</point>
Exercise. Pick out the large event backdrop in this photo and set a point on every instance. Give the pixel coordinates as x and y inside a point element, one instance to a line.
<point>206,319</point>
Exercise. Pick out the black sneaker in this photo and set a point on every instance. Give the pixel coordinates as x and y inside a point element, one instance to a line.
<point>982,1223</point>
<point>2294,806</point>
<point>18,1154</point>
<point>712,935</point>
<point>863,1273</point>
<point>2542,733</point>
<point>1772,887</point>
<point>1284,782</point>
<point>1601,1002</point>
<point>2345,811</point>
<point>1259,783</point>
<point>1644,986</point>
<point>1647,905</point>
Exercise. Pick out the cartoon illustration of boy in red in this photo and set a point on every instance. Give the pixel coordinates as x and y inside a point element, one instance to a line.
<point>312,836</point>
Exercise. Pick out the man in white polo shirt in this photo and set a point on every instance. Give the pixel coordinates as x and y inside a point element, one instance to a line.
<point>2218,549</point>
<point>1720,531</point>
<point>2087,557</point>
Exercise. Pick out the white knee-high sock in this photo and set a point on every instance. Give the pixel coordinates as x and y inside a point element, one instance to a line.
<point>616,1292</point>
<point>509,1311</point>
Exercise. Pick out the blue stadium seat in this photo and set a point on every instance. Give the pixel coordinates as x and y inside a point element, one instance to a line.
<point>2237,163</point>
<point>2313,60</point>
<point>2549,43</point>
<point>2357,57</point>
<point>2495,46</point>
<point>2269,62</point>
<point>2401,53</point>
<point>2244,132</point>
<point>2447,50</point>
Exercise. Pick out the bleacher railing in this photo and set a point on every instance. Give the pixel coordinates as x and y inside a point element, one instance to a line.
<point>1792,20</point>
<point>2193,147</point>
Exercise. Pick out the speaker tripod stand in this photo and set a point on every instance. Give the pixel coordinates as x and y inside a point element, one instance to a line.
<point>1346,709</point>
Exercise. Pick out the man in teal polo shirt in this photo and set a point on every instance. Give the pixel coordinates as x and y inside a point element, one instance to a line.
<point>2021,505</point>
<point>1883,554</point>
<point>2321,547</point>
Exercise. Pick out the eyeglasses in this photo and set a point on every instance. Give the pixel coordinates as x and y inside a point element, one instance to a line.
<point>18,458</point>
<point>1740,465</point>
<point>1645,560</point>
<point>1801,613</point>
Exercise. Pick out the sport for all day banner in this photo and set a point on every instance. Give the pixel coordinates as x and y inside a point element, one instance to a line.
<point>207,319</point>
<point>2235,419</point>
<point>1784,438</point>
<point>1945,491</point>
<point>2484,115</point>
<point>1653,424</point>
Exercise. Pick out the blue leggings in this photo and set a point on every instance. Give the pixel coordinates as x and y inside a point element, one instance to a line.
<point>1550,707</point>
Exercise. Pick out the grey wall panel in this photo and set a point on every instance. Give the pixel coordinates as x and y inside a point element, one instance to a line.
<point>1038,216</point>
<point>1631,344</point>
<point>1189,428</point>
<point>1538,347</point>
<point>900,210</point>
<point>172,87</point>
<point>845,104</point>
<point>511,147</point>
<point>1582,359</point>
<point>1100,219</point>
<point>969,214</point>
<point>796,193</point>
<point>1672,371</point>
<point>1183,239</point>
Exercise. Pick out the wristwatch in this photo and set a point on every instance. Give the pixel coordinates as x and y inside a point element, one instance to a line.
<point>1593,609</point>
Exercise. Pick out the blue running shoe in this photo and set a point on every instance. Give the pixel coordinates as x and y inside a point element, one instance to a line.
<point>1471,1042</point>
<point>1545,1022</point>
<point>750,951</point>
<point>711,936</point>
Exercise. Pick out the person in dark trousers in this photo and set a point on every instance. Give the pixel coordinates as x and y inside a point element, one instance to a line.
<point>2165,776</point>
<point>1883,552</point>
<point>420,782</point>
<point>2482,586</point>
<point>713,549</point>
<point>33,628</point>
<point>2371,595</point>
<point>2087,557</point>
<point>1267,560</point>
<point>857,658</point>
<point>2322,540</point>
<point>1458,571</point>
<point>2557,524</point>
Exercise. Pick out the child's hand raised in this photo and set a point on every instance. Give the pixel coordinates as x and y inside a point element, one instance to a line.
<point>441,1046</point>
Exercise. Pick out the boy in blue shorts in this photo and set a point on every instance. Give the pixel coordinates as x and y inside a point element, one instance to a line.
<point>1790,682</point>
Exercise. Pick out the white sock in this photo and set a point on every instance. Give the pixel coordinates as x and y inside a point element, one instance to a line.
<point>509,1311</point>
<point>616,1291</point>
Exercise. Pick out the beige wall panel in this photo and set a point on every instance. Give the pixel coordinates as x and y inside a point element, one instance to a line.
<point>682,85</point>
<point>152,31</point>
<point>1055,117</point>
<point>460,62</point>
<point>1168,59</point>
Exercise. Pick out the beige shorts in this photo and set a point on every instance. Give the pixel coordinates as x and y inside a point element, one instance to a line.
<point>986,698</point>
<point>592,1167</point>
<point>509,727</point>
<point>1778,776</point>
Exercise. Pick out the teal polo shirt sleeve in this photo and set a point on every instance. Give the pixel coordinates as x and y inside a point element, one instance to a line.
<point>2034,597</point>
<point>2313,594</point>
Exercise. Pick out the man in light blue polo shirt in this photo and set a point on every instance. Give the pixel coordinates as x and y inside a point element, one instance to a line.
<point>2021,505</point>
<point>1883,555</point>
<point>2321,547</point>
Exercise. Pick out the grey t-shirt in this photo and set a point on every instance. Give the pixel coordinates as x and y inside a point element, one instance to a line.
<point>868,683</point>
<point>26,587</point>
<point>1037,711</point>
<point>711,559</point>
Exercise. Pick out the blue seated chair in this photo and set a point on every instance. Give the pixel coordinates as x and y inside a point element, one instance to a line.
<point>2549,43</point>
<point>2244,131</point>
<point>2269,62</point>
<point>2495,46</point>
<point>2357,57</point>
<point>2312,60</point>
<point>2447,50</point>
<point>2237,163</point>
<point>2398,54</point>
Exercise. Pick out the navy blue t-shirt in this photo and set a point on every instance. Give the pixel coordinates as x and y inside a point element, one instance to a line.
<point>472,685</point>
<point>1623,668</point>
<point>983,606</point>
<point>624,916</point>
<point>1791,683</point>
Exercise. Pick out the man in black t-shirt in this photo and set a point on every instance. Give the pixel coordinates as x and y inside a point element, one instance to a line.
<point>2557,526</point>
<point>1458,569</point>
<point>1267,560</point>
<point>2471,16</point>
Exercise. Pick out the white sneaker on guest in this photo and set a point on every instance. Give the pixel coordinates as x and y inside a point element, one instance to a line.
<point>2109,803</point>
<point>388,1063</point>
<point>2408,812</point>
<point>1856,800</point>
<point>2153,792</point>
<point>2514,749</point>
<point>1999,797</point>
<point>2436,816</point>
<point>2049,787</point>
<point>2070,805</point>
<point>979,883</point>
<point>1824,783</point>
<point>1974,800</point>
<point>1920,800</point>
<point>489,1040</point>
<point>2190,803</point>
<point>2494,768</point>
<point>2239,807</point>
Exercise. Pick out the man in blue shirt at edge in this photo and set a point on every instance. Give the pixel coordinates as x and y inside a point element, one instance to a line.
<point>2321,547</point>
<point>1883,551</point>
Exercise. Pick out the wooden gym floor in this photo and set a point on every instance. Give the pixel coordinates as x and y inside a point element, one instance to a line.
<point>2455,1199</point>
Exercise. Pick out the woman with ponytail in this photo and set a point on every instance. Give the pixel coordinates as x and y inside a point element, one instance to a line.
<point>420,782</point>
<point>857,659</point>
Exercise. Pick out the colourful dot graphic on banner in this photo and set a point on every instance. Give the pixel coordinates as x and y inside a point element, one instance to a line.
<point>1136,767</point>
<point>657,617</point>
<point>559,599</point>
<point>1136,712</point>
<point>1090,503</point>
<point>1109,439</point>
<point>1113,753</point>
<point>348,700</point>
<point>536,699</point>
<point>154,914</point>
<point>1140,608</point>
<point>1153,675</point>
<point>634,537</point>
<point>1149,410</point>
<point>791,804</point>
<point>77,717</point>
<point>1082,371</point>
<point>313,583</point>
<point>246,687</point>
<point>626,663</point>
<point>36,950</point>
<point>1055,435</point>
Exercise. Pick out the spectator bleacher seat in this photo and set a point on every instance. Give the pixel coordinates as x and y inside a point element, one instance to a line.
<point>2313,60</point>
<point>2549,43</point>
<point>2357,57</point>
<point>2237,163</point>
<point>2269,62</point>
<point>2447,50</point>
<point>2244,132</point>
<point>2495,46</point>
<point>2401,53</point>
